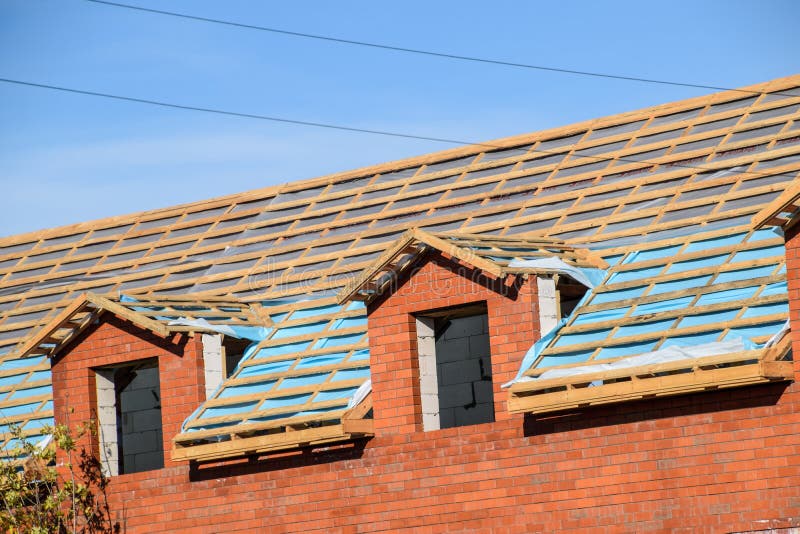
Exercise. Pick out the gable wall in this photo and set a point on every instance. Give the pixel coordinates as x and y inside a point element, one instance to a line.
<point>115,341</point>
<point>438,283</point>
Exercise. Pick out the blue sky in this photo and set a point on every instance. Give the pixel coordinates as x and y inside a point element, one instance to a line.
<point>67,158</point>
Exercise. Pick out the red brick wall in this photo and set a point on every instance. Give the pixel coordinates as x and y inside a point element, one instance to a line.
<point>440,283</point>
<point>715,462</point>
<point>725,461</point>
<point>114,341</point>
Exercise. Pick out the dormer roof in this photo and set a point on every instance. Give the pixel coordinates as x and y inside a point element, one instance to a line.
<point>494,255</point>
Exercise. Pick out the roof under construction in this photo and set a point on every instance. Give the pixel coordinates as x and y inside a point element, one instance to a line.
<point>663,199</point>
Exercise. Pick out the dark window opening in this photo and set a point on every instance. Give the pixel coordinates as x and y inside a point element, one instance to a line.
<point>569,294</point>
<point>455,367</point>
<point>129,413</point>
<point>232,352</point>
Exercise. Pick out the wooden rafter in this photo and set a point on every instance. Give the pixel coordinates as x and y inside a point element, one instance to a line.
<point>146,313</point>
<point>782,211</point>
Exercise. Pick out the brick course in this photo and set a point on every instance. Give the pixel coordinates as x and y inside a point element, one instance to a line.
<point>714,462</point>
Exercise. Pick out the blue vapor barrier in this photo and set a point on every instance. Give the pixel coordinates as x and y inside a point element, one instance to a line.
<point>280,350</point>
<point>653,254</point>
<point>21,363</point>
<point>271,370</point>
<point>677,285</point>
<point>253,333</point>
<point>644,328</point>
<point>283,402</point>
<point>334,394</point>
<point>777,288</point>
<point>265,368</point>
<point>31,392</point>
<point>602,315</point>
<point>723,241</point>
<point>583,337</point>
<point>338,341</point>
<point>662,306</point>
<point>318,411</point>
<point>613,259</point>
<point>349,322</point>
<point>727,295</point>
<point>723,268</point>
<point>697,263</point>
<point>708,318</point>
<point>15,443</point>
<point>565,358</point>
<point>352,374</point>
<point>299,330</point>
<point>621,294</point>
<point>318,361</point>
<point>692,339</point>
<point>766,309</point>
<point>245,389</point>
<point>24,409</point>
<point>231,409</point>
<point>635,274</point>
<point>537,348</point>
<point>304,380</point>
<point>754,331</point>
<point>628,349</point>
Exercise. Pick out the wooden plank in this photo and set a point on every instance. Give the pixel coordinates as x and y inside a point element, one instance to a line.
<point>257,444</point>
<point>50,328</point>
<point>186,436</point>
<point>688,363</point>
<point>364,427</point>
<point>457,252</point>
<point>679,384</point>
<point>360,410</point>
<point>391,253</point>
<point>125,313</point>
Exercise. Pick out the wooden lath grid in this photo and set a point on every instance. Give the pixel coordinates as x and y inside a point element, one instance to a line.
<point>593,349</point>
<point>291,362</point>
<point>209,262</point>
<point>153,246</point>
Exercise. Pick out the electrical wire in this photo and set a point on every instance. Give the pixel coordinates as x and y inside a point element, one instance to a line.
<point>419,51</point>
<point>336,126</point>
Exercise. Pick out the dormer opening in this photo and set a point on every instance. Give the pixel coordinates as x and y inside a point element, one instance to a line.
<point>455,367</point>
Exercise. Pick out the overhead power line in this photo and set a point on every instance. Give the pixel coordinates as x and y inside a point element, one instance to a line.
<point>331,126</point>
<point>418,51</point>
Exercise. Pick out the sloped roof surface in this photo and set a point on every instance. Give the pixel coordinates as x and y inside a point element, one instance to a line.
<point>684,170</point>
<point>688,291</point>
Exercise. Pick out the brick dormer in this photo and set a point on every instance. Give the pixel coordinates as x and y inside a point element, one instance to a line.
<point>450,319</point>
<point>138,369</point>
